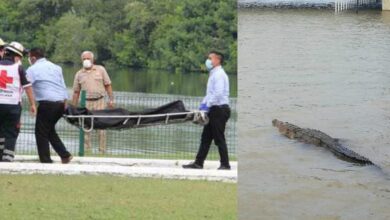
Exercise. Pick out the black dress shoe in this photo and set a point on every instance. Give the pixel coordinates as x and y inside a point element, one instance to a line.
<point>67,159</point>
<point>8,160</point>
<point>193,166</point>
<point>223,167</point>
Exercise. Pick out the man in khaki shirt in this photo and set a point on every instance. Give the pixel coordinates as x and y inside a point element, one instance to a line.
<point>96,82</point>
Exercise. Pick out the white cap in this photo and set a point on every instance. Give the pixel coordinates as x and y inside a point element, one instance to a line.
<point>15,47</point>
<point>2,43</point>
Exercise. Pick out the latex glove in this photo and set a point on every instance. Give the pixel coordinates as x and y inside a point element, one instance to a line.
<point>203,107</point>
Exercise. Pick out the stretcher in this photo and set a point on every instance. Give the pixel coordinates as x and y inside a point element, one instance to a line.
<point>119,118</point>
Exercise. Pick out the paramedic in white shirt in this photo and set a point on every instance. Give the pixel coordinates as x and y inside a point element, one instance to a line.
<point>12,84</point>
<point>216,103</point>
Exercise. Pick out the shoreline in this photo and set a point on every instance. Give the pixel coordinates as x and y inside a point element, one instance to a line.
<point>308,4</point>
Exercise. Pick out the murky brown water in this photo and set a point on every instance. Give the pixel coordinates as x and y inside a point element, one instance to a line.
<point>320,70</point>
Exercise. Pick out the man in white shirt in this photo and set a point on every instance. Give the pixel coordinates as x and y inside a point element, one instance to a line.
<point>216,103</point>
<point>51,94</point>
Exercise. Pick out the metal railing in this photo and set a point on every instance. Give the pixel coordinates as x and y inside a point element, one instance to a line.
<point>342,5</point>
<point>173,141</point>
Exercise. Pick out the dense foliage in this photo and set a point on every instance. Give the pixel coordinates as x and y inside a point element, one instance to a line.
<point>162,34</point>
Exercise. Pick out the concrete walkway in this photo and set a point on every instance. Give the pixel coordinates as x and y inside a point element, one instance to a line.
<point>145,168</point>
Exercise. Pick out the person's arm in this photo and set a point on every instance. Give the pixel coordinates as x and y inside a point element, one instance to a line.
<point>108,87</point>
<point>76,90</point>
<point>30,75</point>
<point>110,95</point>
<point>66,96</point>
<point>31,100</point>
<point>75,99</point>
<point>28,88</point>
<point>206,97</point>
<point>203,104</point>
<point>65,91</point>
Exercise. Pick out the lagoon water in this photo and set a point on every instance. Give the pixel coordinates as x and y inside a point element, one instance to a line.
<point>321,70</point>
<point>155,81</point>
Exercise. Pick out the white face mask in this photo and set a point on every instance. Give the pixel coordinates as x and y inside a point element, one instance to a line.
<point>87,64</point>
<point>29,61</point>
<point>209,64</point>
<point>19,62</point>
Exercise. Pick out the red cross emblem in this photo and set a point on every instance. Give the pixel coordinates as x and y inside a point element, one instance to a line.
<point>4,79</point>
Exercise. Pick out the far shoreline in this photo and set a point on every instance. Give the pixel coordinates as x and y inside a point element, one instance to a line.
<point>297,4</point>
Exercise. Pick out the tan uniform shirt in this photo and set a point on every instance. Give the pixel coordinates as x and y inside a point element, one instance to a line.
<point>93,81</point>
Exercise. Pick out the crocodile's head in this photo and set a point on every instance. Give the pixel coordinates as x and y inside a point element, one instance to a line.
<point>276,123</point>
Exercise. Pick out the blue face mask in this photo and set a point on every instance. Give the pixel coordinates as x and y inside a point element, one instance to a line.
<point>209,65</point>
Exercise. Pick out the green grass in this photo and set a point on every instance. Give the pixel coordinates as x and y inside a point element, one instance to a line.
<point>108,197</point>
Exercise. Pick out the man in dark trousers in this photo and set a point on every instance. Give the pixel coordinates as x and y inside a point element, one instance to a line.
<point>12,82</point>
<point>50,92</point>
<point>216,103</point>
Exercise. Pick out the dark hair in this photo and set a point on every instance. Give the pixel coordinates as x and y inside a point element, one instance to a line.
<point>219,55</point>
<point>37,52</point>
<point>10,55</point>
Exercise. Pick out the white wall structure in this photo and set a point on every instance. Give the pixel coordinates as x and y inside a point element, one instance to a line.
<point>337,5</point>
<point>386,5</point>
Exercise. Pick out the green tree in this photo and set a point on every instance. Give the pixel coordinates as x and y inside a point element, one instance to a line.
<point>178,39</point>
<point>68,37</point>
<point>132,46</point>
<point>159,34</point>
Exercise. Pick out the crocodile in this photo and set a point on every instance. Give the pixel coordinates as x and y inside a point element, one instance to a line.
<point>319,138</point>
